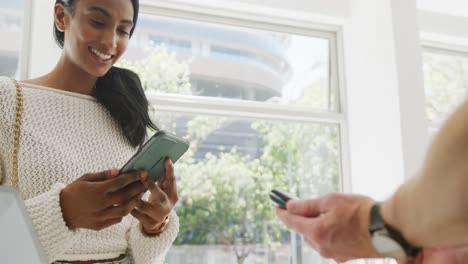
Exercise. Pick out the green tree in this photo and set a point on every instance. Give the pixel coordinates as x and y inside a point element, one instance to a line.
<point>445,83</point>
<point>305,155</point>
<point>224,202</point>
<point>161,71</point>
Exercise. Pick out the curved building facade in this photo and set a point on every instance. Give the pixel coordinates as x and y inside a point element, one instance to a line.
<point>226,62</point>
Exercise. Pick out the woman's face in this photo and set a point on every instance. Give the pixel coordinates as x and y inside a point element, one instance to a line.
<point>97,33</point>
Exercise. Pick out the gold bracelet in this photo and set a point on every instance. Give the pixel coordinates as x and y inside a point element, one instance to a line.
<point>160,229</point>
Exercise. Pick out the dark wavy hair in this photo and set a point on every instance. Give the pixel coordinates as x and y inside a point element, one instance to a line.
<point>120,90</point>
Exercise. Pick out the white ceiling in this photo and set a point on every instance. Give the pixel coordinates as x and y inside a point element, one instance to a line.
<point>334,8</point>
<point>451,7</point>
<point>340,8</point>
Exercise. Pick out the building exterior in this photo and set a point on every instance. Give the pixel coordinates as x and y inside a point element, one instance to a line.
<point>225,62</point>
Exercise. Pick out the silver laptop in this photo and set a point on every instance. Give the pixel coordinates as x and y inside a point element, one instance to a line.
<point>18,241</point>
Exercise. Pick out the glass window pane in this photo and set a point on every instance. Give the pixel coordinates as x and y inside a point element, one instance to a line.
<point>225,179</point>
<point>214,60</point>
<point>445,82</point>
<point>11,20</point>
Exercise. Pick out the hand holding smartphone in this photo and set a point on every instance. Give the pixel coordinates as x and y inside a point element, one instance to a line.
<point>279,198</point>
<point>153,153</point>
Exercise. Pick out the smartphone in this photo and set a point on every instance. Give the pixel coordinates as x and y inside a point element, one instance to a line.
<point>280,198</point>
<point>152,155</point>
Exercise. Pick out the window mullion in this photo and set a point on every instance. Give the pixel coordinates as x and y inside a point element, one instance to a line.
<point>249,110</point>
<point>26,40</point>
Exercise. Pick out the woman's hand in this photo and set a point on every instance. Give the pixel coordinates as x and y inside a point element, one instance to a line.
<point>98,200</point>
<point>163,198</point>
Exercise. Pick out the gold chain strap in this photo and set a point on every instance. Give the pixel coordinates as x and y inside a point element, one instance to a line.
<point>17,132</point>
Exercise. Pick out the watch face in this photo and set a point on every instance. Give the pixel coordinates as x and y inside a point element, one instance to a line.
<point>388,247</point>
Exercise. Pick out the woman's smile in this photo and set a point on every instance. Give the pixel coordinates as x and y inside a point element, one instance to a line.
<point>101,57</point>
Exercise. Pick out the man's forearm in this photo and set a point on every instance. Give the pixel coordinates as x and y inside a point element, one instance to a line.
<point>426,220</point>
<point>431,209</point>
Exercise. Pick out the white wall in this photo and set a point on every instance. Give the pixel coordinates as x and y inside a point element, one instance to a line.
<point>385,104</point>
<point>44,52</point>
<point>448,7</point>
<point>410,84</point>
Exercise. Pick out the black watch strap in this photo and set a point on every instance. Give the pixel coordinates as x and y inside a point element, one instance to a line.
<point>377,223</point>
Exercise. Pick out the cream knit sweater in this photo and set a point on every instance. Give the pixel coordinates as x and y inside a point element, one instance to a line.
<point>63,136</point>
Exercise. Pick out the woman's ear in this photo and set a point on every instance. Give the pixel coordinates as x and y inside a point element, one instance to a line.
<point>61,17</point>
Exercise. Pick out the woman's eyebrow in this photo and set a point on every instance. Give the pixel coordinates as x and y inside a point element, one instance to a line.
<point>107,14</point>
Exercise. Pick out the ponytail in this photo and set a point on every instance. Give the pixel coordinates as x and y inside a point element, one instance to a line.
<point>121,92</point>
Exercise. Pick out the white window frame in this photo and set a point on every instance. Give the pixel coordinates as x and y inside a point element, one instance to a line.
<point>257,110</point>
<point>26,39</point>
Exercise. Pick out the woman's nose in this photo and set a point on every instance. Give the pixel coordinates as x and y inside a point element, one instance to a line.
<point>109,39</point>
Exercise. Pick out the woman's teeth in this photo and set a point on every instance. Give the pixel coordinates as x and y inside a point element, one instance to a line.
<point>100,55</point>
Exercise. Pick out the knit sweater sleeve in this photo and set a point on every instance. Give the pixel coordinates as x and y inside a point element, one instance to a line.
<point>46,214</point>
<point>45,209</point>
<point>152,249</point>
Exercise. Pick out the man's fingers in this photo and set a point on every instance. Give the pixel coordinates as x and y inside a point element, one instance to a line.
<point>311,243</point>
<point>307,208</point>
<point>298,223</point>
<point>100,176</point>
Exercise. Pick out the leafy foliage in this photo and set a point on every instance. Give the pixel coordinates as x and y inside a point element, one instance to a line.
<point>161,71</point>
<point>445,82</point>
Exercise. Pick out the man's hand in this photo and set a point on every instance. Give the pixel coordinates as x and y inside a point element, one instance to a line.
<point>336,225</point>
<point>446,255</point>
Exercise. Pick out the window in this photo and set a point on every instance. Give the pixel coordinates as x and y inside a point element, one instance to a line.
<point>11,20</point>
<point>445,82</point>
<point>242,63</point>
<point>261,108</point>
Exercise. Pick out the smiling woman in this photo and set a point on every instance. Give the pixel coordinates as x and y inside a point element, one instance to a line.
<point>99,37</point>
<point>72,127</point>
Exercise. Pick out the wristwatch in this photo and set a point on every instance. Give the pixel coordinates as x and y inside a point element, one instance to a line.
<point>388,241</point>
